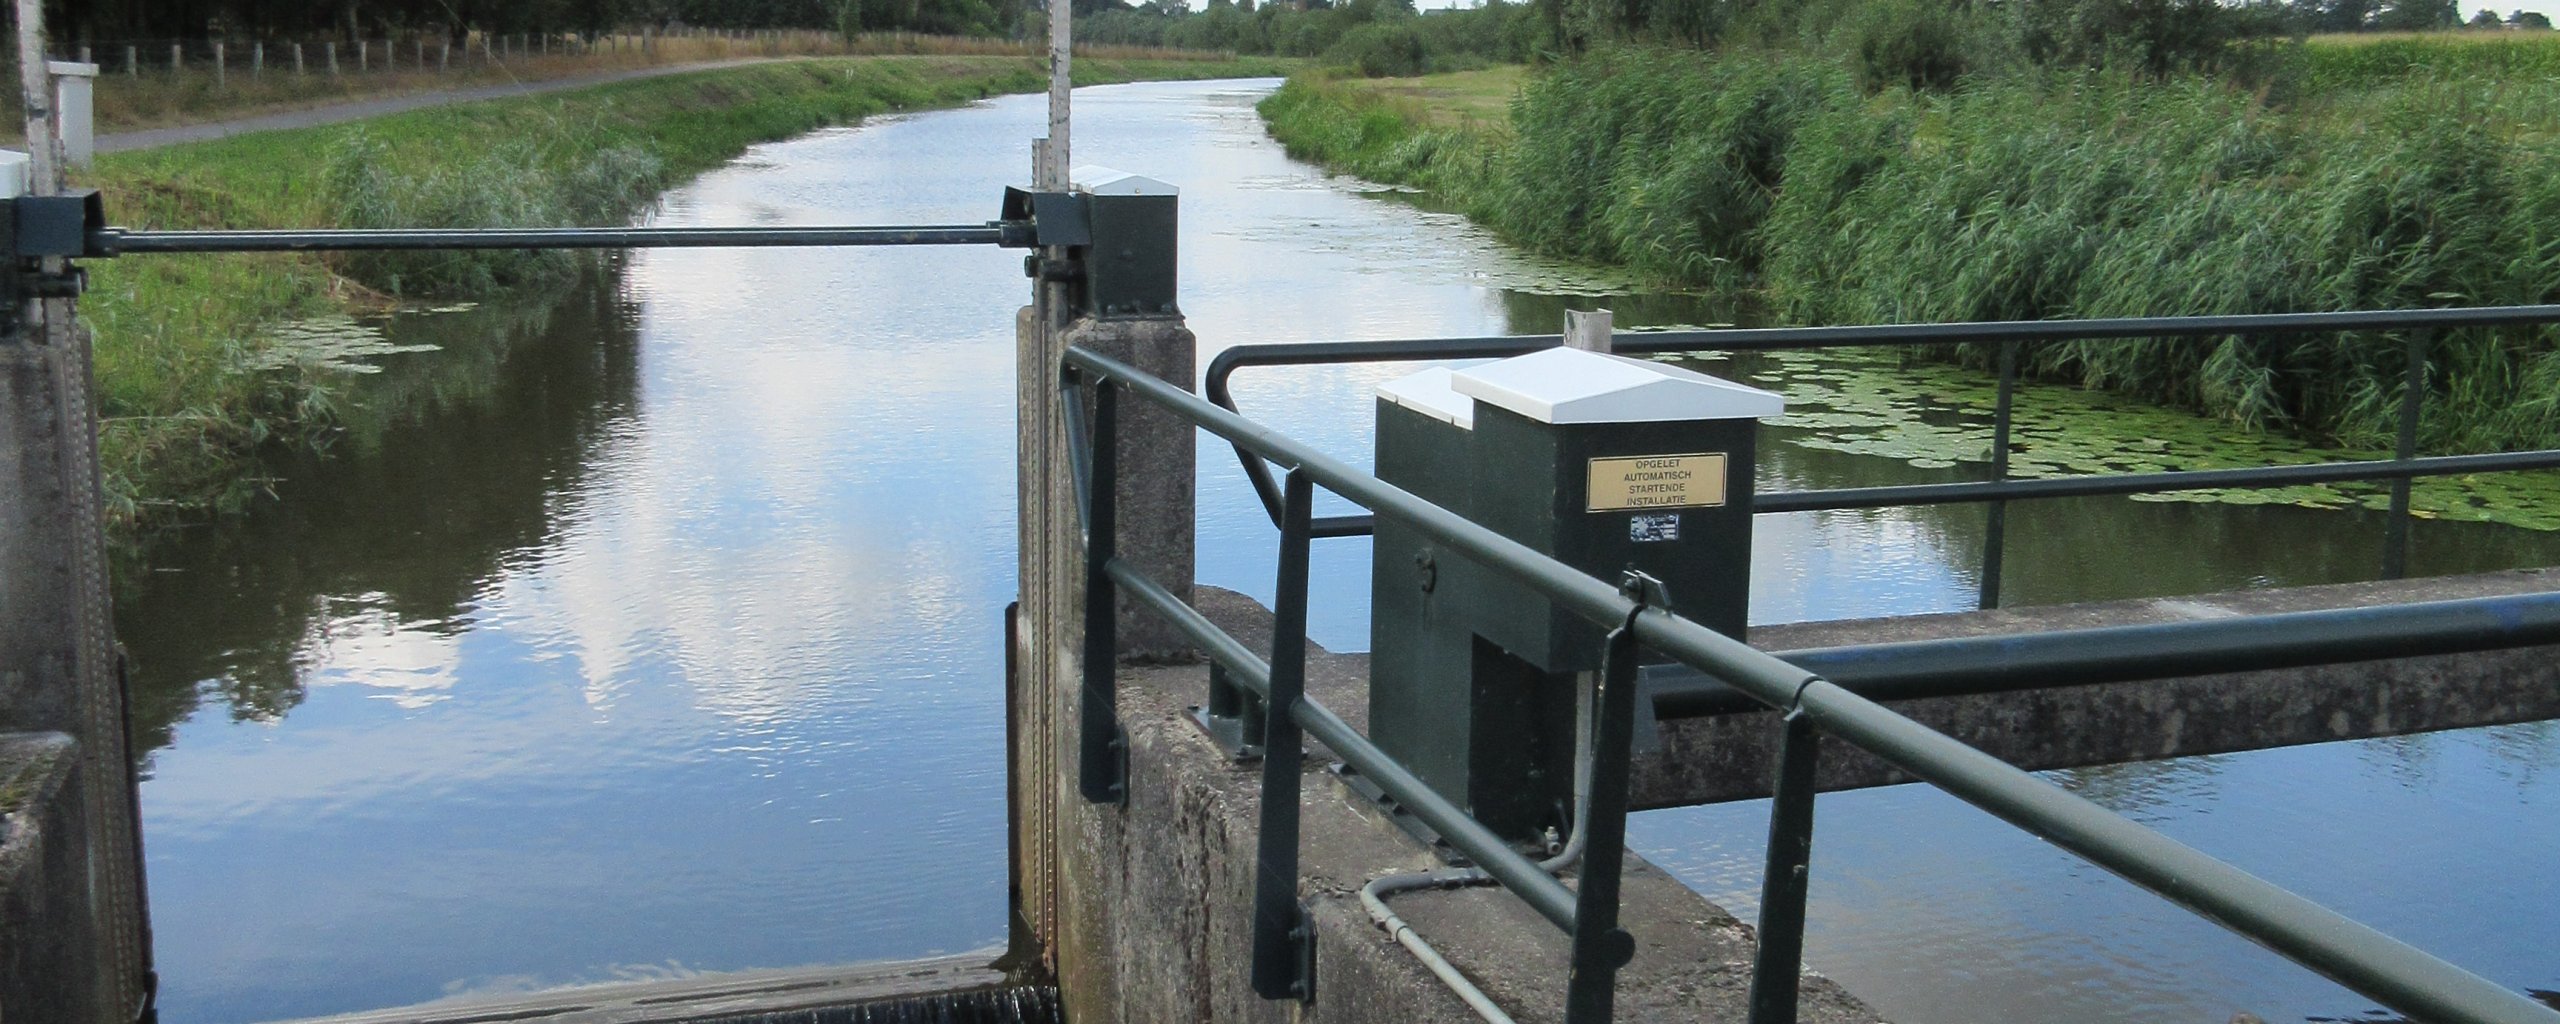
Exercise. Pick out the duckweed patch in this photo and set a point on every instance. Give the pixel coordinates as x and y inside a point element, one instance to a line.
<point>1932,416</point>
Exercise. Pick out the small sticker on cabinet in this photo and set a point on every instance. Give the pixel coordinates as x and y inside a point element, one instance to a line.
<point>1647,529</point>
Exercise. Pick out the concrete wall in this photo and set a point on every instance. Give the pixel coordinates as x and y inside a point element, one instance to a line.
<point>47,929</point>
<point>58,668</point>
<point>1729,758</point>
<point>1155,906</point>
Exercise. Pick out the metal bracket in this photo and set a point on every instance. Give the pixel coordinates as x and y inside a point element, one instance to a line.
<point>1232,719</point>
<point>1045,218</point>
<point>59,225</point>
<point>1302,939</point>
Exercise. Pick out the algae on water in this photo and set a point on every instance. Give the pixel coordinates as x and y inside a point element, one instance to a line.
<point>1934,416</point>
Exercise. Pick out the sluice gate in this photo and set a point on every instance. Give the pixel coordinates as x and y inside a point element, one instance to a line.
<point>1199,791</point>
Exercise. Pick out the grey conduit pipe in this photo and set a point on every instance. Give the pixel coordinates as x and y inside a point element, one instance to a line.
<point>1374,895</point>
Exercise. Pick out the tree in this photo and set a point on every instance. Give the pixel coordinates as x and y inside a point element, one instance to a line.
<point>2535,20</point>
<point>2417,15</point>
<point>2486,19</point>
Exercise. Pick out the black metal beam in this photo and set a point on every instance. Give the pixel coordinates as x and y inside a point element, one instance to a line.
<point>1963,666</point>
<point>129,241</point>
<point>2152,483</point>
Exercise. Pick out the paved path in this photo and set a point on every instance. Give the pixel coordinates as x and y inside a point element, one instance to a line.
<point>360,109</point>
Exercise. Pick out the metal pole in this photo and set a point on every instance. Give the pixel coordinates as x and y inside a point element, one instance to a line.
<point>1278,925</point>
<point>2395,530</point>
<point>35,91</point>
<point>1785,881</point>
<point>1099,770</point>
<point>1995,529</point>
<point>1061,83</point>
<point>1600,947</point>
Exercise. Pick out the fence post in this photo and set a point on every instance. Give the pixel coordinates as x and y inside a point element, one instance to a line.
<point>444,55</point>
<point>1995,528</point>
<point>298,70</point>
<point>330,49</point>
<point>219,72</point>
<point>177,57</point>
<point>132,61</point>
<point>364,55</point>
<point>2413,389</point>
<point>258,60</point>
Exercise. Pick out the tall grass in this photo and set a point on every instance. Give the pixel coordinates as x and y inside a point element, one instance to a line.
<point>2046,194</point>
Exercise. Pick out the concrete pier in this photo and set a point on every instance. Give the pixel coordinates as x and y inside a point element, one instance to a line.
<point>1708,760</point>
<point>1155,922</point>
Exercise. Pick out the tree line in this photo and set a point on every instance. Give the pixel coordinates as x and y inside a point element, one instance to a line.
<point>353,19</point>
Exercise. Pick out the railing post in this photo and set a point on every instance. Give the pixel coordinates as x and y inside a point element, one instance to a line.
<point>1995,530</point>
<point>1600,948</point>
<point>1784,884</point>
<point>1282,942</point>
<point>1102,762</point>
<point>2395,530</point>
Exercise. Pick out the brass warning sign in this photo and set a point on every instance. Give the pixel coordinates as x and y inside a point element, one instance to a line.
<point>1657,481</point>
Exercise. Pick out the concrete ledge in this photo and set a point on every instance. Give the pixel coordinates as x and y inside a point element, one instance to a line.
<point>1729,758</point>
<point>45,914</point>
<point>707,996</point>
<point>1161,921</point>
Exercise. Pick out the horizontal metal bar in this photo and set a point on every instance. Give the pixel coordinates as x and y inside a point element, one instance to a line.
<point>2152,483</point>
<point>1540,890</point>
<point>128,241</point>
<point>1245,667</point>
<point>1766,338</point>
<point>2398,975</point>
<point>2391,972</point>
<point>2114,654</point>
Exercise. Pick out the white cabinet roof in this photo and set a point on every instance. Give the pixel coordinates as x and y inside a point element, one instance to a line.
<point>1428,393</point>
<point>1097,180</point>
<point>1564,385</point>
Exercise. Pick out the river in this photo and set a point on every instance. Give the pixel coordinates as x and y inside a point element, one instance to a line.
<point>652,627</point>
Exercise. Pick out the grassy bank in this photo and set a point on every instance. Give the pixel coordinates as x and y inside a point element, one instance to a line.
<point>2044,193</point>
<point>193,372</point>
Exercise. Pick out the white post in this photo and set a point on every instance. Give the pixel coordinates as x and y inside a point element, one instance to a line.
<point>177,57</point>
<point>74,107</point>
<point>364,55</point>
<point>35,87</point>
<point>1589,332</point>
<point>218,61</point>
<point>330,48</point>
<point>132,61</point>
<point>1061,51</point>
<point>298,69</point>
<point>258,59</point>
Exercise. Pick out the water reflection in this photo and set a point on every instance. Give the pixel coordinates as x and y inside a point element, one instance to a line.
<point>651,627</point>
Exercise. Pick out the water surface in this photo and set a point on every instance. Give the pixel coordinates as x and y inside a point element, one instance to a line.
<point>653,627</point>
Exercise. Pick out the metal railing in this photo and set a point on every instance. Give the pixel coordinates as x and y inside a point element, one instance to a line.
<point>2418,326</point>
<point>2398,976</point>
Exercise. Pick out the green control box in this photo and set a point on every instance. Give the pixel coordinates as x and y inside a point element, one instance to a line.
<point>1602,462</point>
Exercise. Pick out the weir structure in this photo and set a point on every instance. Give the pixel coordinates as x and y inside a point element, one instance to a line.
<point>1178,852</point>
